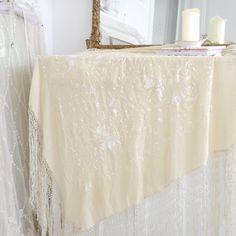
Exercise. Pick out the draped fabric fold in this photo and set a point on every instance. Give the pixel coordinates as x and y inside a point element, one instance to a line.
<point>110,130</point>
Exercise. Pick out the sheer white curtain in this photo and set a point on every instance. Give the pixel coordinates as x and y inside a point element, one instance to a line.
<point>20,43</point>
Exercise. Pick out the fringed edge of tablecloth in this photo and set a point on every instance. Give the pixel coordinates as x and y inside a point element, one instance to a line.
<point>44,196</point>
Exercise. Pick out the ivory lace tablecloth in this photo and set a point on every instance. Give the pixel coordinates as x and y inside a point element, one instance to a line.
<point>111,130</point>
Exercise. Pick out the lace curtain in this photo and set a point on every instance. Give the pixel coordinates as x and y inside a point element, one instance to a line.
<point>20,43</point>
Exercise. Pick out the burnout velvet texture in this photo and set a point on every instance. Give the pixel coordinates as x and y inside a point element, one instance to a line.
<point>114,128</point>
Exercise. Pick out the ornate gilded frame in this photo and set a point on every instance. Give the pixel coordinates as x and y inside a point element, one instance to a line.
<point>94,41</point>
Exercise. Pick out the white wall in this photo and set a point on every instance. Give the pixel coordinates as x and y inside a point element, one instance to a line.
<point>47,20</point>
<point>71,25</point>
<point>67,24</point>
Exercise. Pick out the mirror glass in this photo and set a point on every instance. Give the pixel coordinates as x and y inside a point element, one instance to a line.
<point>158,21</point>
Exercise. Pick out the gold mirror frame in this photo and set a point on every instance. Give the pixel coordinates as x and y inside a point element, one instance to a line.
<point>94,41</point>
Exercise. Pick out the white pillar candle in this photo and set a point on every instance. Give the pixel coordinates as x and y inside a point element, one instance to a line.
<point>217,30</point>
<point>191,24</point>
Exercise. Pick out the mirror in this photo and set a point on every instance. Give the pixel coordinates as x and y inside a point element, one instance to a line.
<point>132,23</point>
<point>138,21</point>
